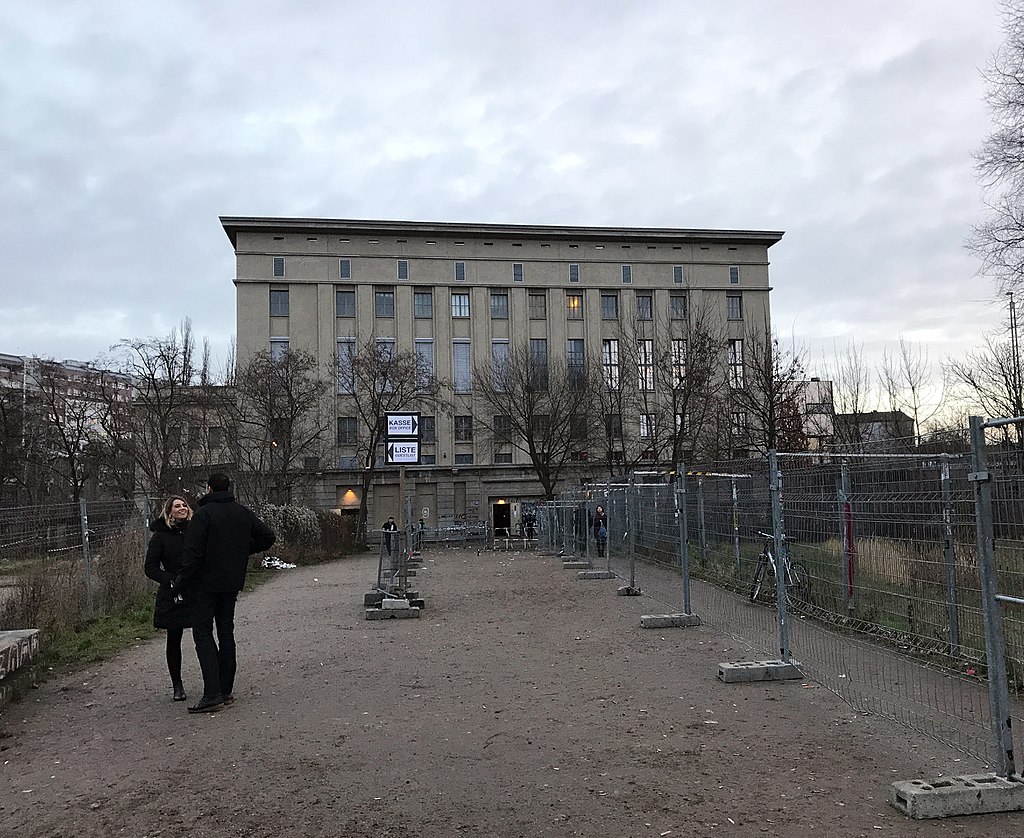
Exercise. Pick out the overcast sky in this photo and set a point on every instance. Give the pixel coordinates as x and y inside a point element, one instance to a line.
<point>129,127</point>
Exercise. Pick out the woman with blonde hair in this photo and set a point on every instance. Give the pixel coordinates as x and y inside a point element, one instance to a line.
<point>163,561</point>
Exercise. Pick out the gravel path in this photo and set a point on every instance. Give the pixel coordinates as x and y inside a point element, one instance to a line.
<point>523,703</point>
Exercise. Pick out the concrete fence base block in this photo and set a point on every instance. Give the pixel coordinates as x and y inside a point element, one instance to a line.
<point>774,670</point>
<point>392,613</point>
<point>629,590</point>
<point>660,621</point>
<point>395,604</point>
<point>977,794</point>
<point>577,565</point>
<point>595,574</point>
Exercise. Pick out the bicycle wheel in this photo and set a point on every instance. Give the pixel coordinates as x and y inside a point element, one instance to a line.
<point>799,583</point>
<point>755,585</point>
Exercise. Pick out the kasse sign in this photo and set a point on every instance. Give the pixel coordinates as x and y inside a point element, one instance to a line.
<point>402,453</point>
<point>403,424</point>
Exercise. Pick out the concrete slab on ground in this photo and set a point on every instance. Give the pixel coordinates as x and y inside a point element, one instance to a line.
<point>657,621</point>
<point>392,613</point>
<point>17,648</point>
<point>595,574</point>
<point>770,670</point>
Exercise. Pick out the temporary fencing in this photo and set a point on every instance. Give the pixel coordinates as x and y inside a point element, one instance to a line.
<point>878,594</point>
<point>62,563</point>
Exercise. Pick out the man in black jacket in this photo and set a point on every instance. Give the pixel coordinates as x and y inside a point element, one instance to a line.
<point>220,539</point>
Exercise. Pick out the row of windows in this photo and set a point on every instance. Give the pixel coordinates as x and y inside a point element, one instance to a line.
<point>537,304</point>
<point>459,271</point>
<point>462,373</point>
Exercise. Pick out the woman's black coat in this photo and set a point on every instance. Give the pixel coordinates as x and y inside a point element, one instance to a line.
<point>163,561</point>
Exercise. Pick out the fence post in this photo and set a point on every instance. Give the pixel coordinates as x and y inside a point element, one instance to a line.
<point>631,525</point>
<point>684,552</point>
<point>849,545</point>
<point>702,533</point>
<point>735,526</point>
<point>950,556</point>
<point>608,525</point>
<point>995,643</point>
<point>86,558</point>
<point>779,532</point>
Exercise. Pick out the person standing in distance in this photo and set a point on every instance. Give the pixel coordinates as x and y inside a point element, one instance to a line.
<point>389,528</point>
<point>220,538</point>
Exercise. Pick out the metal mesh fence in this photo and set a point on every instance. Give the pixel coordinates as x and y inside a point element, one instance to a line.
<point>883,600</point>
<point>64,563</point>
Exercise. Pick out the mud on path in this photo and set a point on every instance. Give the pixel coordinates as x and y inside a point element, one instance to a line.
<point>523,703</point>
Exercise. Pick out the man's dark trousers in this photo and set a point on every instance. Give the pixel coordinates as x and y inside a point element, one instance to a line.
<point>216,658</point>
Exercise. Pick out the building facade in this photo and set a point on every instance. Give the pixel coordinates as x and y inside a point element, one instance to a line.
<point>460,295</point>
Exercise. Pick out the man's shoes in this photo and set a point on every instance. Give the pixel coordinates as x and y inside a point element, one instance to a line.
<point>179,692</point>
<point>207,705</point>
<point>229,699</point>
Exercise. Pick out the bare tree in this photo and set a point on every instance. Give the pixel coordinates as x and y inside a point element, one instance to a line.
<point>852,381</point>
<point>999,239</point>
<point>541,407</point>
<point>374,378</point>
<point>905,376</point>
<point>766,403</point>
<point>276,425</point>
<point>12,441</point>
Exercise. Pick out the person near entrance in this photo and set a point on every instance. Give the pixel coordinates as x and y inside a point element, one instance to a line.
<point>389,529</point>
<point>600,527</point>
<point>219,541</point>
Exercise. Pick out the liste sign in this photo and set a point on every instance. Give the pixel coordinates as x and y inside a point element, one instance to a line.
<point>403,424</point>
<point>402,453</point>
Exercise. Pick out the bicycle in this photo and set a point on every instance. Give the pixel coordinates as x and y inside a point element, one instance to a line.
<point>798,580</point>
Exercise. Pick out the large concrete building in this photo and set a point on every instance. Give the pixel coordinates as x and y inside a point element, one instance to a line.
<point>456,293</point>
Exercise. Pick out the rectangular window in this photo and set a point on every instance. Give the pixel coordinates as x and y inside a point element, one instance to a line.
<point>645,364</point>
<point>427,430</point>
<point>345,302</point>
<point>465,459</point>
<point>215,438</point>
<point>677,274</point>
<point>463,428</point>
<point>503,458</point>
<point>538,305</point>
<point>502,429</point>
<point>678,361</point>
<point>499,305</point>
<point>677,305</point>
<point>499,365</point>
<point>462,369</point>
<point>384,302</point>
<point>539,364</point>
<point>346,373</point>
<point>540,427</point>
<point>424,363</point>
<point>574,306</point>
<point>734,306</point>
<point>646,425</point>
<point>627,274</point>
<point>610,363</point>
<point>644,306</point>
<point>574,273</point>
<point>613,426</point>
<point>278,303</point>
<point>517,271</point>
<point>385,365</point>
<point>609,306</point>
<point>346,430</point>
<point>278,266</point>
<point>576,361</point>
<point>736,377</point>
<point>278,349</point>
<point>683,425</point>
<point>460,271</point>
<point>345,268</point>
<point>403,268</point>
<point>460,304</point>
<point>423,304</point>
<point>739,423</point>
<point>734,275</point>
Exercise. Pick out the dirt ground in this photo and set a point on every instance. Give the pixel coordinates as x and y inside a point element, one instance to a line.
<point>524,702</point>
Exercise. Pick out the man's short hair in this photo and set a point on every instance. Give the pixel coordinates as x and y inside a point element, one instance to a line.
<point>219,482</point>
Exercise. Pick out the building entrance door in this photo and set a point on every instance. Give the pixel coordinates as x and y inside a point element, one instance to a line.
<point>501,515</point>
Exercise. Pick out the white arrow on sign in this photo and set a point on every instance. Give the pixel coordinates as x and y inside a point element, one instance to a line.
<point>402,453</point>
<point>403,424</point>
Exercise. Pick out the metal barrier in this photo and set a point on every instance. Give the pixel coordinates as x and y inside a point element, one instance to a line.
<point>889,612</point>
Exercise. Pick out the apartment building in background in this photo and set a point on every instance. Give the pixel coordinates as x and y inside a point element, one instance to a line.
<point>461,294</point>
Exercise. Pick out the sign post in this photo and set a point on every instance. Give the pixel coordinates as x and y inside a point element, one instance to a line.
<point>402,448</point>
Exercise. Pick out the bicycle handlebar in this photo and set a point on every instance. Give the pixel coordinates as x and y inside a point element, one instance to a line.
<point>785,538</point>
